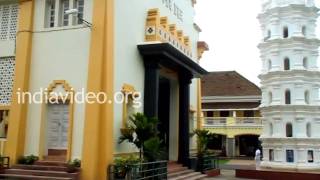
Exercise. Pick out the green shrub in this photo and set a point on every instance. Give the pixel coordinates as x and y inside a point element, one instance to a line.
<point>75,163</point>
<point>28,160</point>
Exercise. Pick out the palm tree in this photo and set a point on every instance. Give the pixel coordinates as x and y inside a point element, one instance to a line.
<point>140,129</point>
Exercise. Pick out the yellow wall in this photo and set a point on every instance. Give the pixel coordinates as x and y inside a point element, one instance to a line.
<point>98,131</point>
<point>231,129</point>
<point>240,114</point>
<point>257,113</point>
<point>18,112</point>
<point>231,132</point>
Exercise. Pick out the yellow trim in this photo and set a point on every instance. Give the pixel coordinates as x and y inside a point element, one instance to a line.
<point>18,112</point>
<point>127,89</point>
<point>199,104</point>
<point>161,26</point>
<point>98,140</point>
<point>43,135</point>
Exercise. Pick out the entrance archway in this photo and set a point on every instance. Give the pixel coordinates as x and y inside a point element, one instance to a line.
<point>57,123</point>
<point>247,144</point>
<point>217,143</point>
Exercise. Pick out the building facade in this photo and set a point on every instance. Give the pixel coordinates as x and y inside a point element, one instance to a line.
<point>290,85</point>
<point>147,51</point>
<point>230,106</point>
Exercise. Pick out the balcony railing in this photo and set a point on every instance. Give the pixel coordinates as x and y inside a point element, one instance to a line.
<point>231,121</point>
<point>248,120</point>
<point>209,121</point>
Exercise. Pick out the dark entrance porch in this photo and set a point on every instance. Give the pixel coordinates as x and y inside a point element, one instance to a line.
<point>163,55</point>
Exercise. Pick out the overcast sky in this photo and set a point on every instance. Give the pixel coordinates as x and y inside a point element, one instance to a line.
<point>232,30</point>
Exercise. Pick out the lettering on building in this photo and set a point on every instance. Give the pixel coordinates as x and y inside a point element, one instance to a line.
<point>174,8</point>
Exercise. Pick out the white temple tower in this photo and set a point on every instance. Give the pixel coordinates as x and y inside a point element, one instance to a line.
<point>290,85</point>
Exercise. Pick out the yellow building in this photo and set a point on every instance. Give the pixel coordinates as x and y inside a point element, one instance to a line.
<point>230,105</point>
<point>145,51</point>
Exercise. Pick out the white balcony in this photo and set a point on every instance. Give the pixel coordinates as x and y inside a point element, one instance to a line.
<point>232,121</point>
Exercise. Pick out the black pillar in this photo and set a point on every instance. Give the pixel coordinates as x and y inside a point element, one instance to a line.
<point>151,88</point>
<point>184,105</point>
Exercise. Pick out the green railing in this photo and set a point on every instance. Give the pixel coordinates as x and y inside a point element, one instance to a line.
<point>141,171</point>
<point>210,162</point>
<point>204,163</point>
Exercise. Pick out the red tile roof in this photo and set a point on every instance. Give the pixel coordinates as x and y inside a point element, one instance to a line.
<point>228,83</point>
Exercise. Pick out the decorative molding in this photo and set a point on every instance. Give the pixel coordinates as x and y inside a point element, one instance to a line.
<point>158,30</point>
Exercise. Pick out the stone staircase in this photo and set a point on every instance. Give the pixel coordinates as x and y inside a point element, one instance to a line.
<point>41,170</point>
<point>178,172</point>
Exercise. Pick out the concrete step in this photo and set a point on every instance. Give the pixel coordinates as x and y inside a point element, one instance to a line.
<point>189,176</point>
<point>42,173</point>
<point>176,169</point>
<point>40,167</point>
<point>30,177</point>
<point>198,177</point>
<point>55,158</point>
<point>51,163</point>
<point>180,173</point>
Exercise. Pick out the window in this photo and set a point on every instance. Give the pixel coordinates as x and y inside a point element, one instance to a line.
<point>224,113</point>
<point>8,21</point>
<point>4,117</point>
<point>307,97</point>
<point>64,16</point>
<point>308,130</point>
<point>310,156</point>
<point>268,35</point>
<point>286,64</point>
<point>305,63</point>
<point>248,113</point>
<point>7,68</point>
<point>270,129</point>
<point>288,130</point>
<point>304,30</point>
<point>56,16</point>
<point>270,97</point>
<point>269,65</point>
<point>290,156</point>
<point>287,97</point>
<point>285,32</point>
<point>79,4</point>
<point>209,113</point>
<point>271,155</point>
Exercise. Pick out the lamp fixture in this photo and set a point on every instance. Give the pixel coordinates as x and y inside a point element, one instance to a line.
<point>75,12</point>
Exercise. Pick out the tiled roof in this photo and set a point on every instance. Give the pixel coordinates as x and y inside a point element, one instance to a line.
<point>228,83</point>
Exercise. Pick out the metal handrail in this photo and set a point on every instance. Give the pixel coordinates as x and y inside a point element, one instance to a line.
<point>148,170</point>
<point>215,120</point>
<point>210,162</point>
<point>248,120</point>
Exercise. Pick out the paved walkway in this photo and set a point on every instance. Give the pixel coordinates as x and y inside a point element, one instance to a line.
<point>227,170</point>
<point>238,164</point>
<point>226,175</point>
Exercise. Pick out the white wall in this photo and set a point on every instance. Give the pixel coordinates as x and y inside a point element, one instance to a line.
<point>58,55</point>
<point>130,20</point>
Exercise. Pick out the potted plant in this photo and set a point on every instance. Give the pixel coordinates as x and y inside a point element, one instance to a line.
<point>28,160</point>
<point>123,165</point>
<point>202,149</point>
<point>141,128</point>
<point>72,166</point>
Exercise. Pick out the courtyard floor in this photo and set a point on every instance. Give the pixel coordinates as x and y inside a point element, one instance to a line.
<point>227,169</point>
